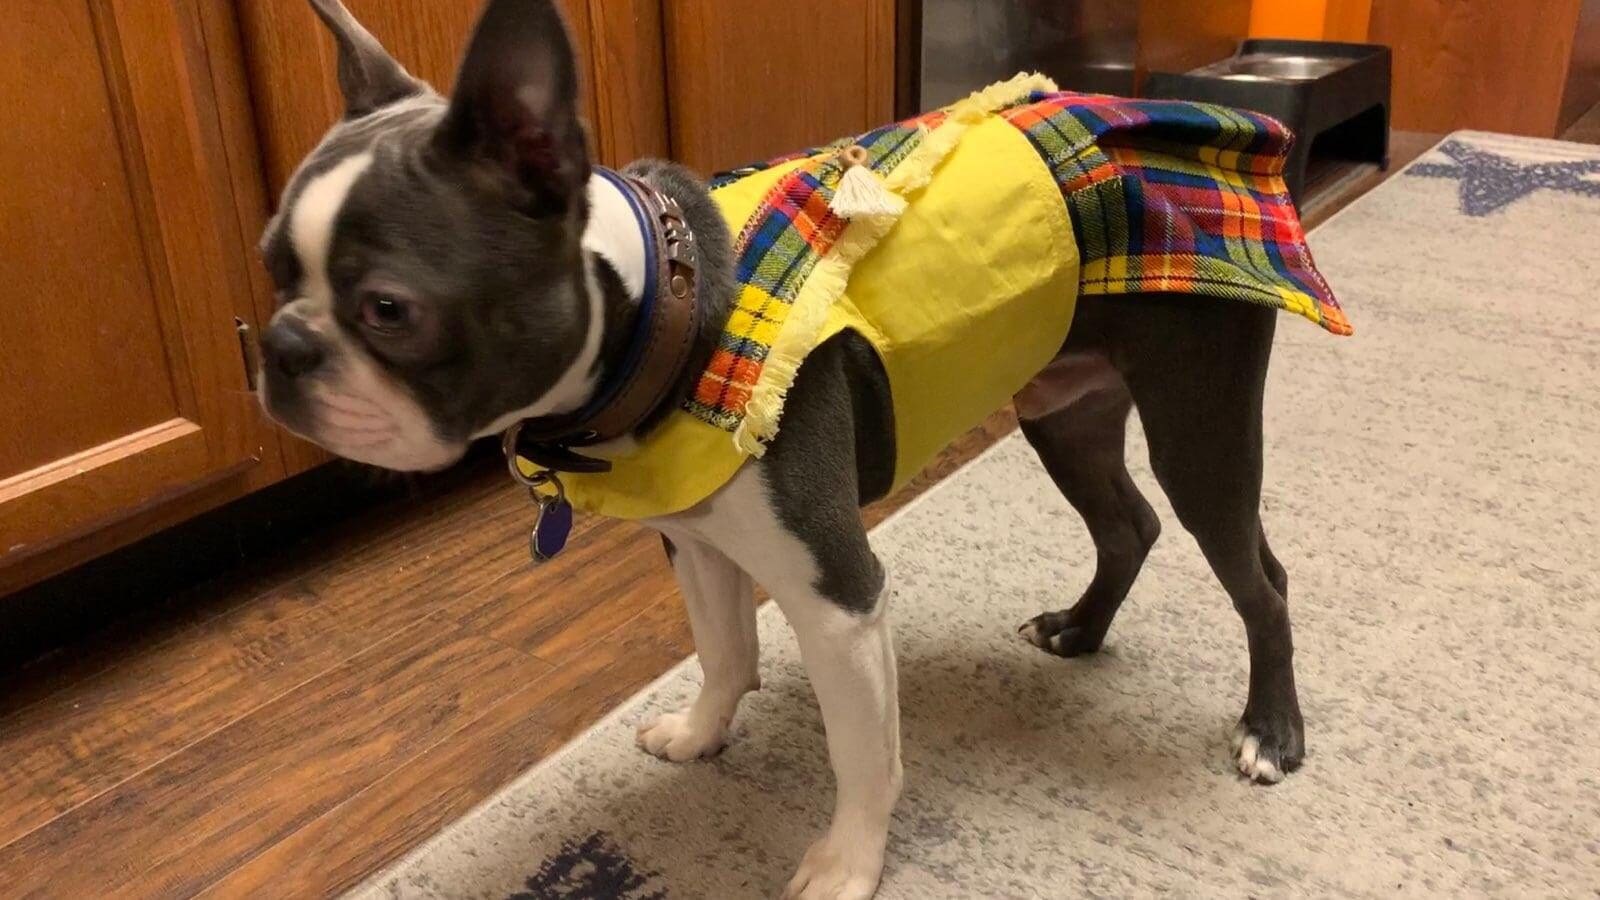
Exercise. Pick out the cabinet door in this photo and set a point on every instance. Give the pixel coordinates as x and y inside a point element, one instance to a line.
<point>121,271</point>
<point>749,81</point>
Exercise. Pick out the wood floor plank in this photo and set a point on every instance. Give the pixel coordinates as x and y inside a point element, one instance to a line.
<point>155,700</point>
<point>1586,128</point>
<point>175,828</point>
<point>1331,185</point>
<point>99,649</point>
<point>383,822</point>
<point>607,575</point>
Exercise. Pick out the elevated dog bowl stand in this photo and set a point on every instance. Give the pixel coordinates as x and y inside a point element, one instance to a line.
<point>1333,96</point>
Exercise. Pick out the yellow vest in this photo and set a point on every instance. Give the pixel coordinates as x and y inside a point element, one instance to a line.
<point>962,317</point>
<point>965,283</point>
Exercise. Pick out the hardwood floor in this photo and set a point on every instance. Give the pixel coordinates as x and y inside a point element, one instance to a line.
<point>1586,130</point>
<point>288,729</point>
<point>1331,185</point>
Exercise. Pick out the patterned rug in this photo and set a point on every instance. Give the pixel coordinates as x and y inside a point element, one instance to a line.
<point>1432,490</point>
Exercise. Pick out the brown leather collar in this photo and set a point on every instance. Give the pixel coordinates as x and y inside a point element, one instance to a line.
<point>669,319</point>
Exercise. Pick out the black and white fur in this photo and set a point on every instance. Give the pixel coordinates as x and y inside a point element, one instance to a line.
<point>448,266</point>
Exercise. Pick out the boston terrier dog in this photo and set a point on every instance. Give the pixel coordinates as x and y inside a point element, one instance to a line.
<point>449,267</point>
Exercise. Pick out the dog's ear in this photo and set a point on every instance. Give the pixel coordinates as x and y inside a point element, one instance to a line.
<point>514,114</point>
<point>368,75</point>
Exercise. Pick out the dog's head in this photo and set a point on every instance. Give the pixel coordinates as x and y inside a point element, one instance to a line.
<point>427,254</point>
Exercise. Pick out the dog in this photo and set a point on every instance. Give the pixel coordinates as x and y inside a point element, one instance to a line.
<point>448,267</point>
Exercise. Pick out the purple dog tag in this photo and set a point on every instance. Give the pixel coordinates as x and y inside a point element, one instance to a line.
<point>551,529</point>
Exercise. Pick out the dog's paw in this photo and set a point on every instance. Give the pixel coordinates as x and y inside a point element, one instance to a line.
<point>838,867</point>
<point>678,737</point>
<point>1265,755</point>
<point>1062,634</point>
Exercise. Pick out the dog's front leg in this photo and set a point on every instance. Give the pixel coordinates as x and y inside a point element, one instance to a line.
<point>850,659</point>
<point>720,599</point>
<point>832,590</point>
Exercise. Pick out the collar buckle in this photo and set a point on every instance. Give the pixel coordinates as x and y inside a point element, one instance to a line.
<point>678,235</point>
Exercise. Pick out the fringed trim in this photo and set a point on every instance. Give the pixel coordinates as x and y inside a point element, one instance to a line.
<point>917,170</point>
<point>798,336</point>
<point>831,276</point>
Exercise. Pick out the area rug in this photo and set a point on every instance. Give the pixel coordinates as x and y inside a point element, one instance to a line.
<point>1432,488</point>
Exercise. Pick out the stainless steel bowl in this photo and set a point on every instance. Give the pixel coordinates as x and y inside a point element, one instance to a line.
<point>1267,67</point>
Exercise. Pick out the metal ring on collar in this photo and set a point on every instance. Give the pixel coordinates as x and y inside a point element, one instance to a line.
<point>508,446</point>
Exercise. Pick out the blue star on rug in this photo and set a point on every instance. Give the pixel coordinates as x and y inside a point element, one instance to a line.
<point>1490,182</point>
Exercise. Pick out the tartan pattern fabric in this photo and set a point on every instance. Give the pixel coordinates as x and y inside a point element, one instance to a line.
<point>1165,196</point>
<point>1179,197</point>
<point>888,146</point>
<point>775,251</point>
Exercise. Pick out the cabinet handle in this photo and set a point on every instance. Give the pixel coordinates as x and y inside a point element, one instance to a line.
<point>249,353</point>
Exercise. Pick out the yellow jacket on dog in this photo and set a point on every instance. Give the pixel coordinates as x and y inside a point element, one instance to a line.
<point>960,263</point>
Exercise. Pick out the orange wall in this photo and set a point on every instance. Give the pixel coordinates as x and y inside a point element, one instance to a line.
<point>1316,20</point>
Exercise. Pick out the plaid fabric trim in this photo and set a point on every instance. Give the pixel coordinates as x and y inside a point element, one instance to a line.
<point>888,145</point>
<point>777,249</point>
<point>1179,197</point>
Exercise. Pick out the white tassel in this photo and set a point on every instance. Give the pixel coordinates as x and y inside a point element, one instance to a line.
<point>861,193</point>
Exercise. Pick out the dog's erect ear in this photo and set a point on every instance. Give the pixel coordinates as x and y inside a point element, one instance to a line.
<point>368,75</point>
<point>515,109</point>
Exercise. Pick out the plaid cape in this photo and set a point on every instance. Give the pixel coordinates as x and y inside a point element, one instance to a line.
<point>1164,196</point>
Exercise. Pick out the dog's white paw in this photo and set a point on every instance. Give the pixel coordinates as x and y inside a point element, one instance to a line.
<point>838,867</point>
<point>1252,763</point>
<point>679,737</point>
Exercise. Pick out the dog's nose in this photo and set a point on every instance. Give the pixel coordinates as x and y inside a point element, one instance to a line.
<point>291,347</point>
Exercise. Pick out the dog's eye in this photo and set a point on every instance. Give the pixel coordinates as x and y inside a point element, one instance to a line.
<point>387,313</point>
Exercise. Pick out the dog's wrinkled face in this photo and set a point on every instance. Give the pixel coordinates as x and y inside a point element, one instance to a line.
<point>427,254</point>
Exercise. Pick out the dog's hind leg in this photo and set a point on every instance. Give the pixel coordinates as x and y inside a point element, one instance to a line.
<point>1075,414</point>
<point>720,599</point>
<point>1275,572</point>
<point>1197,371</point>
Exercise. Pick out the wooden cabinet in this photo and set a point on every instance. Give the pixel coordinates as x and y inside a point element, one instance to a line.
<point>1490,65</point>
<point>748,82</point>
<point>122,271</point>
<point>146,143</point>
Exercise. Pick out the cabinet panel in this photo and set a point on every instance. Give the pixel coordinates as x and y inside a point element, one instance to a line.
<point>748,81</point>
<point>121,273</point>
<point>79,299</point>
<point>626,72</point>
<point>1477,63</point>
